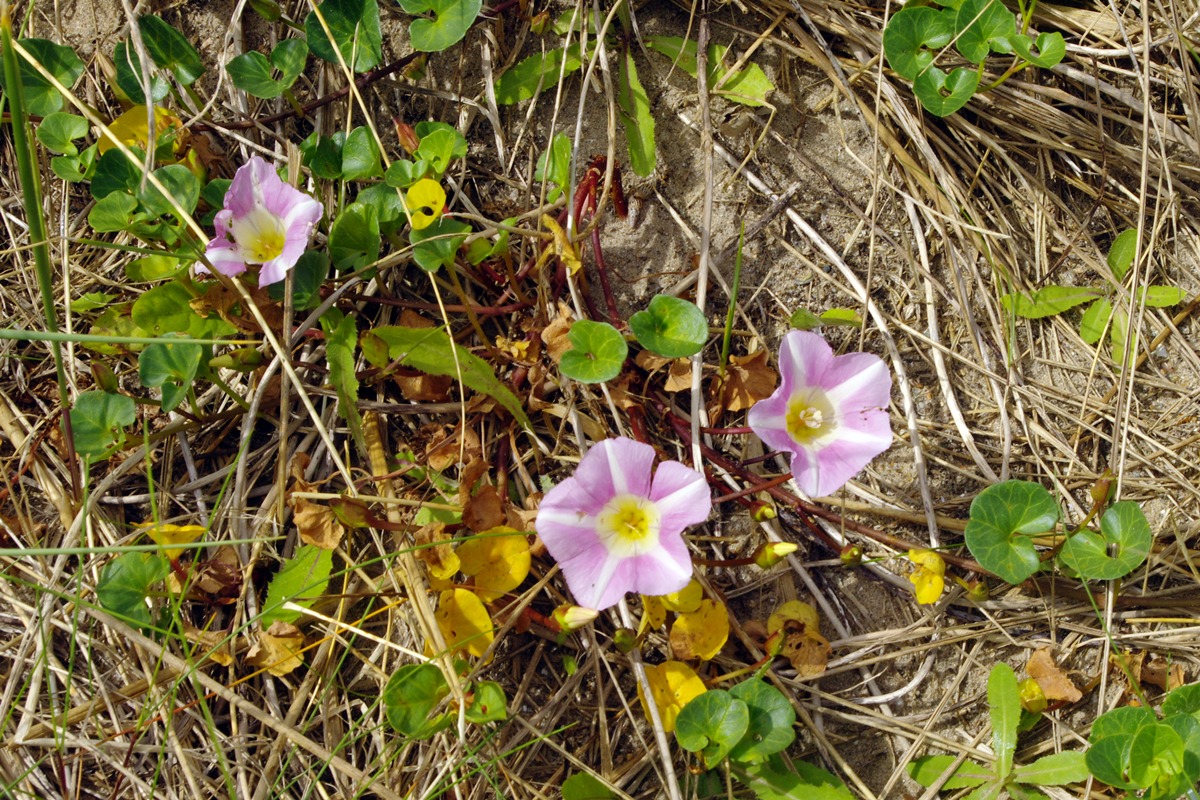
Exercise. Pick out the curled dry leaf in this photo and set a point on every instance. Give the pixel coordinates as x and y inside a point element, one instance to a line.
<point>484,511</point>
<point>317,524</point>
<point>421,388</point>
<point>1054,682</point>
<point>221,575</point>
<point>803,645</point>
<point>278,650</point>
<point>433,547</point>
<point>1166,675</point>
<point>212,644</point>
<point>554,336</point>
<point>747,380</point>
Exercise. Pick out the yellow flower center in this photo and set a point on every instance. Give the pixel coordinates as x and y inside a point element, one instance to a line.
<point>260,234</point>
<point>810,416</point>
<point>628,525</point>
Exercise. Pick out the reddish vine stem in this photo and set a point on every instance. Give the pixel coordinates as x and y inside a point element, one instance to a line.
<point>362,81</point>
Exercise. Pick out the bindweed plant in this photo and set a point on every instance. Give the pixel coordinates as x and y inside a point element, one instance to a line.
<point>919,37</point>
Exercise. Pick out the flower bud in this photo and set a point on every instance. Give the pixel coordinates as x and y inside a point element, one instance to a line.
<point>104,377</point>
<point>771,553</point>
<point>1102,488</point>
<point>408,137</point>
<point>245,359</point>
<point>761,512</point>
<point>774,643</point>
<point>625,640</point>
<point>539,23</point>
<point>1033,699</point>
<point>572,618</point>
<point>851,555</point>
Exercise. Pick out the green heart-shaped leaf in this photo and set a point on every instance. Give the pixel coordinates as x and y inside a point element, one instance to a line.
<point>670,327</point>
<point>1124,532</point>
<point>712,724</point>
<point>451,20</point>
<point>597,353</point>
<point>1002,518</point>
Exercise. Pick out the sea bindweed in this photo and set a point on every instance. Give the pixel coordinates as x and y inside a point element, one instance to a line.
<point>264,221</point>
<point>829,412</point>
<point>616,525</point>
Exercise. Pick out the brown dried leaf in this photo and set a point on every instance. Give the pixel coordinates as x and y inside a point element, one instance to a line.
<point>554,336</point>
<point>1054,682</point>
<point>411,319</point>
<point>484,511</point>
<point>433,547</point>
<point>278,650</point>
<point>318,525</point>
<point>215,644</point>
<point>1166,675</point>
<point>747,380</point>
<point>679,376</point>
<point>221,575</point>
<point>807,650</point>
<point>422,388</point>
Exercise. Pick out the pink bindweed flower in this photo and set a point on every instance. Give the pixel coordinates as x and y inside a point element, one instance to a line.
<point>264,221</point>
<point>829,412</point>
<point>613,529</point>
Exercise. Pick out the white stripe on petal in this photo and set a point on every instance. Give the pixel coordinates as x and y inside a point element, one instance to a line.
<point>876,373</point>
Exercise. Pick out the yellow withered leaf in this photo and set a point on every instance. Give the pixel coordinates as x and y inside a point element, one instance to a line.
<point>928,578</point>
<point>701,633</point>
<point>673,685</point>
<point>498,560</point>
<point>425,200</point>
<point>562,245</point>
<point>686,599</point>
<point>278,649</point>
<point>166,535</point>
<point>464,622</point>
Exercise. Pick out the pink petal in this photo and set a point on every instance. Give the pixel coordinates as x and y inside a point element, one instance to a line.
<point>566,531</point>
<point>857,381</point>
<point>240,198</point>
<point>803,356</point>
<point>841,460</point>
<point>598,579</point>
<point>616,466</point>
<point>682,497</point>
<point>225,257</point>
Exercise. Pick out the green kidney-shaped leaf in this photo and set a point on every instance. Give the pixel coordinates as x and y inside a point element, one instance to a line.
<point>1124,532</point>
<point>251,72</point>
<point>451,20</point>
<point>354,26</point>
<point>1047,301</point>
<point>41,98</point>
<point>597,353</point>
<point>536,74</point>
<point>911,37</point>
<point>1050,47</point>
<point>431,351</point>
<point>307,276</point>
<point>1004,705</point>
<point>1121,253</point>
<point>1002,518</point>
<point>360,155</point>
<point>411,695</point>
<point>636,117</point>
<point>1184,700</point>
<point>181,184</point>
<point>170,49</point>
<point>582,786</point>
<point>1108,760</point>
<point>712,724</point>
<point>671,327</point>
<point>129,76</point>
<point>98,422</point>
<point>1155,754</point>
<point>126,582</point>
<point>437,246</point>
<point>984,25</point>
<point>170,366</point>
<point>302,581</point>
<point>164,309</point>
<point>113,212</point>
<point>772,720</point>
<point>354,238</point>
<point>1124,721</point>
<point>488,705</point>
<point>1056,769</point>
<point>928,770</point>
<point>58,132</point>
<point>115,172</point>
<point>439,147</point>
<point>941,94</point>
